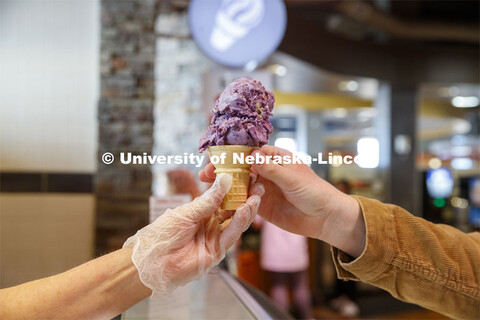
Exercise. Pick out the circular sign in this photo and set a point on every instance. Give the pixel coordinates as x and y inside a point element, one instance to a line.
<point>439,183</point>
<point>237,32</point>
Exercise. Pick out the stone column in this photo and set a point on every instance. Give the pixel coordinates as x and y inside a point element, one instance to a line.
<point>179,88</point>
<point>125,117</point>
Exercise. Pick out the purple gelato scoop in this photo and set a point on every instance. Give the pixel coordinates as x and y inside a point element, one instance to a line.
<point>240,116</point>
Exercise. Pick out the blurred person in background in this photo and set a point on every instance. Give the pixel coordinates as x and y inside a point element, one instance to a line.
<point>182,181</point>
<point>344,296</point>
<point>284,255</point>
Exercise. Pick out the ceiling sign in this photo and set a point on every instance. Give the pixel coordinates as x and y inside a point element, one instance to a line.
<point>237,32</point>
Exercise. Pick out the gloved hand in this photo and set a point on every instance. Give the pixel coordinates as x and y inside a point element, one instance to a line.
<point>184,243</point>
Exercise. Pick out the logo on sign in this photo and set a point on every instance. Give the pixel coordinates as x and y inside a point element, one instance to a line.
<point>234,20</point>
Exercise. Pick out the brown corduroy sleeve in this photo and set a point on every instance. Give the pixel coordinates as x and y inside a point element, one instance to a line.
<point>435,266</point>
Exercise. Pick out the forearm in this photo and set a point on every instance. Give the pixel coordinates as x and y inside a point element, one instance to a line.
<point>98,289</point>
<point>435,266</point>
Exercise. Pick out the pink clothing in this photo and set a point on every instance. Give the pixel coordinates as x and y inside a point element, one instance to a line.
<point>282,251</point>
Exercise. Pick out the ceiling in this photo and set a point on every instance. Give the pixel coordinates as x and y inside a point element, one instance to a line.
<point>450,22</point>
<point>405,42</point>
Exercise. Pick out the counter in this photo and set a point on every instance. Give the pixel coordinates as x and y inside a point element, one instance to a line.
<point>217,295</point>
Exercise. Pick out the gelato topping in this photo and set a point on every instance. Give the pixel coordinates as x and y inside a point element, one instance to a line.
<point>240,116</point>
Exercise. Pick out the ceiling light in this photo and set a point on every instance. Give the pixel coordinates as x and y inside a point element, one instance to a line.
<point>251,65</point>
<point>278,69</point>
<point>339,112</point>
<point>352,85</point>
<point>462,163</point>
<point>459,203</point>
<point>444,92</point>
<point>368,150</point>
<point>465,102</point>
<point>367,114</point>
<point>461,151</point>
<point>453,91</point>
<point>348,85</point>
<point>281,71</point>
<point>434,163</point>
<point>459,140</point>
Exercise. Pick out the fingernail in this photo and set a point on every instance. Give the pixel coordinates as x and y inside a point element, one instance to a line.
<point>240,207</point>
<point>253,178</point>
<point>258,189</point>
<point>224,181</point>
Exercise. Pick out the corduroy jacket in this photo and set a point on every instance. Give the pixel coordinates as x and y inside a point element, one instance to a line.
<point>433,265</point>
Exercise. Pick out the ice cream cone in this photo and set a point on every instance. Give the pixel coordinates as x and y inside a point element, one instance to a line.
<point>238,193</point>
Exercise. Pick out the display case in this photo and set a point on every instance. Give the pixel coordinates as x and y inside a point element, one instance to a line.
<point>217,295</point>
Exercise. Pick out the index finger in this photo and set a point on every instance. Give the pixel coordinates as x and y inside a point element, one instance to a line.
<point>207,174</point>
<point>240,221</point>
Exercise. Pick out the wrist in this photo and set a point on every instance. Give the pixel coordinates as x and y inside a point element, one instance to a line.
<point>123,275</point>
<point>344,226</point>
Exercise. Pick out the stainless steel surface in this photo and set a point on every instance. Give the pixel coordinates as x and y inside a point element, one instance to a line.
<point>255,308</point>
<point>208,298</point>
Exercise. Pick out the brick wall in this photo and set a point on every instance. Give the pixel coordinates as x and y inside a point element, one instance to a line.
<point>125,117</point>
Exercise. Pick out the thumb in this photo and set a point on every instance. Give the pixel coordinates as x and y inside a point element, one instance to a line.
<point>276,173</point>
<point>211,200</point>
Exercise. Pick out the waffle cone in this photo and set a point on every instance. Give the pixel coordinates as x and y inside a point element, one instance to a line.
<point>238,193</point>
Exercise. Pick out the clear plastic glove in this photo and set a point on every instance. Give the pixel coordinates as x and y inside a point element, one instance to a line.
<point>184,243</point>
